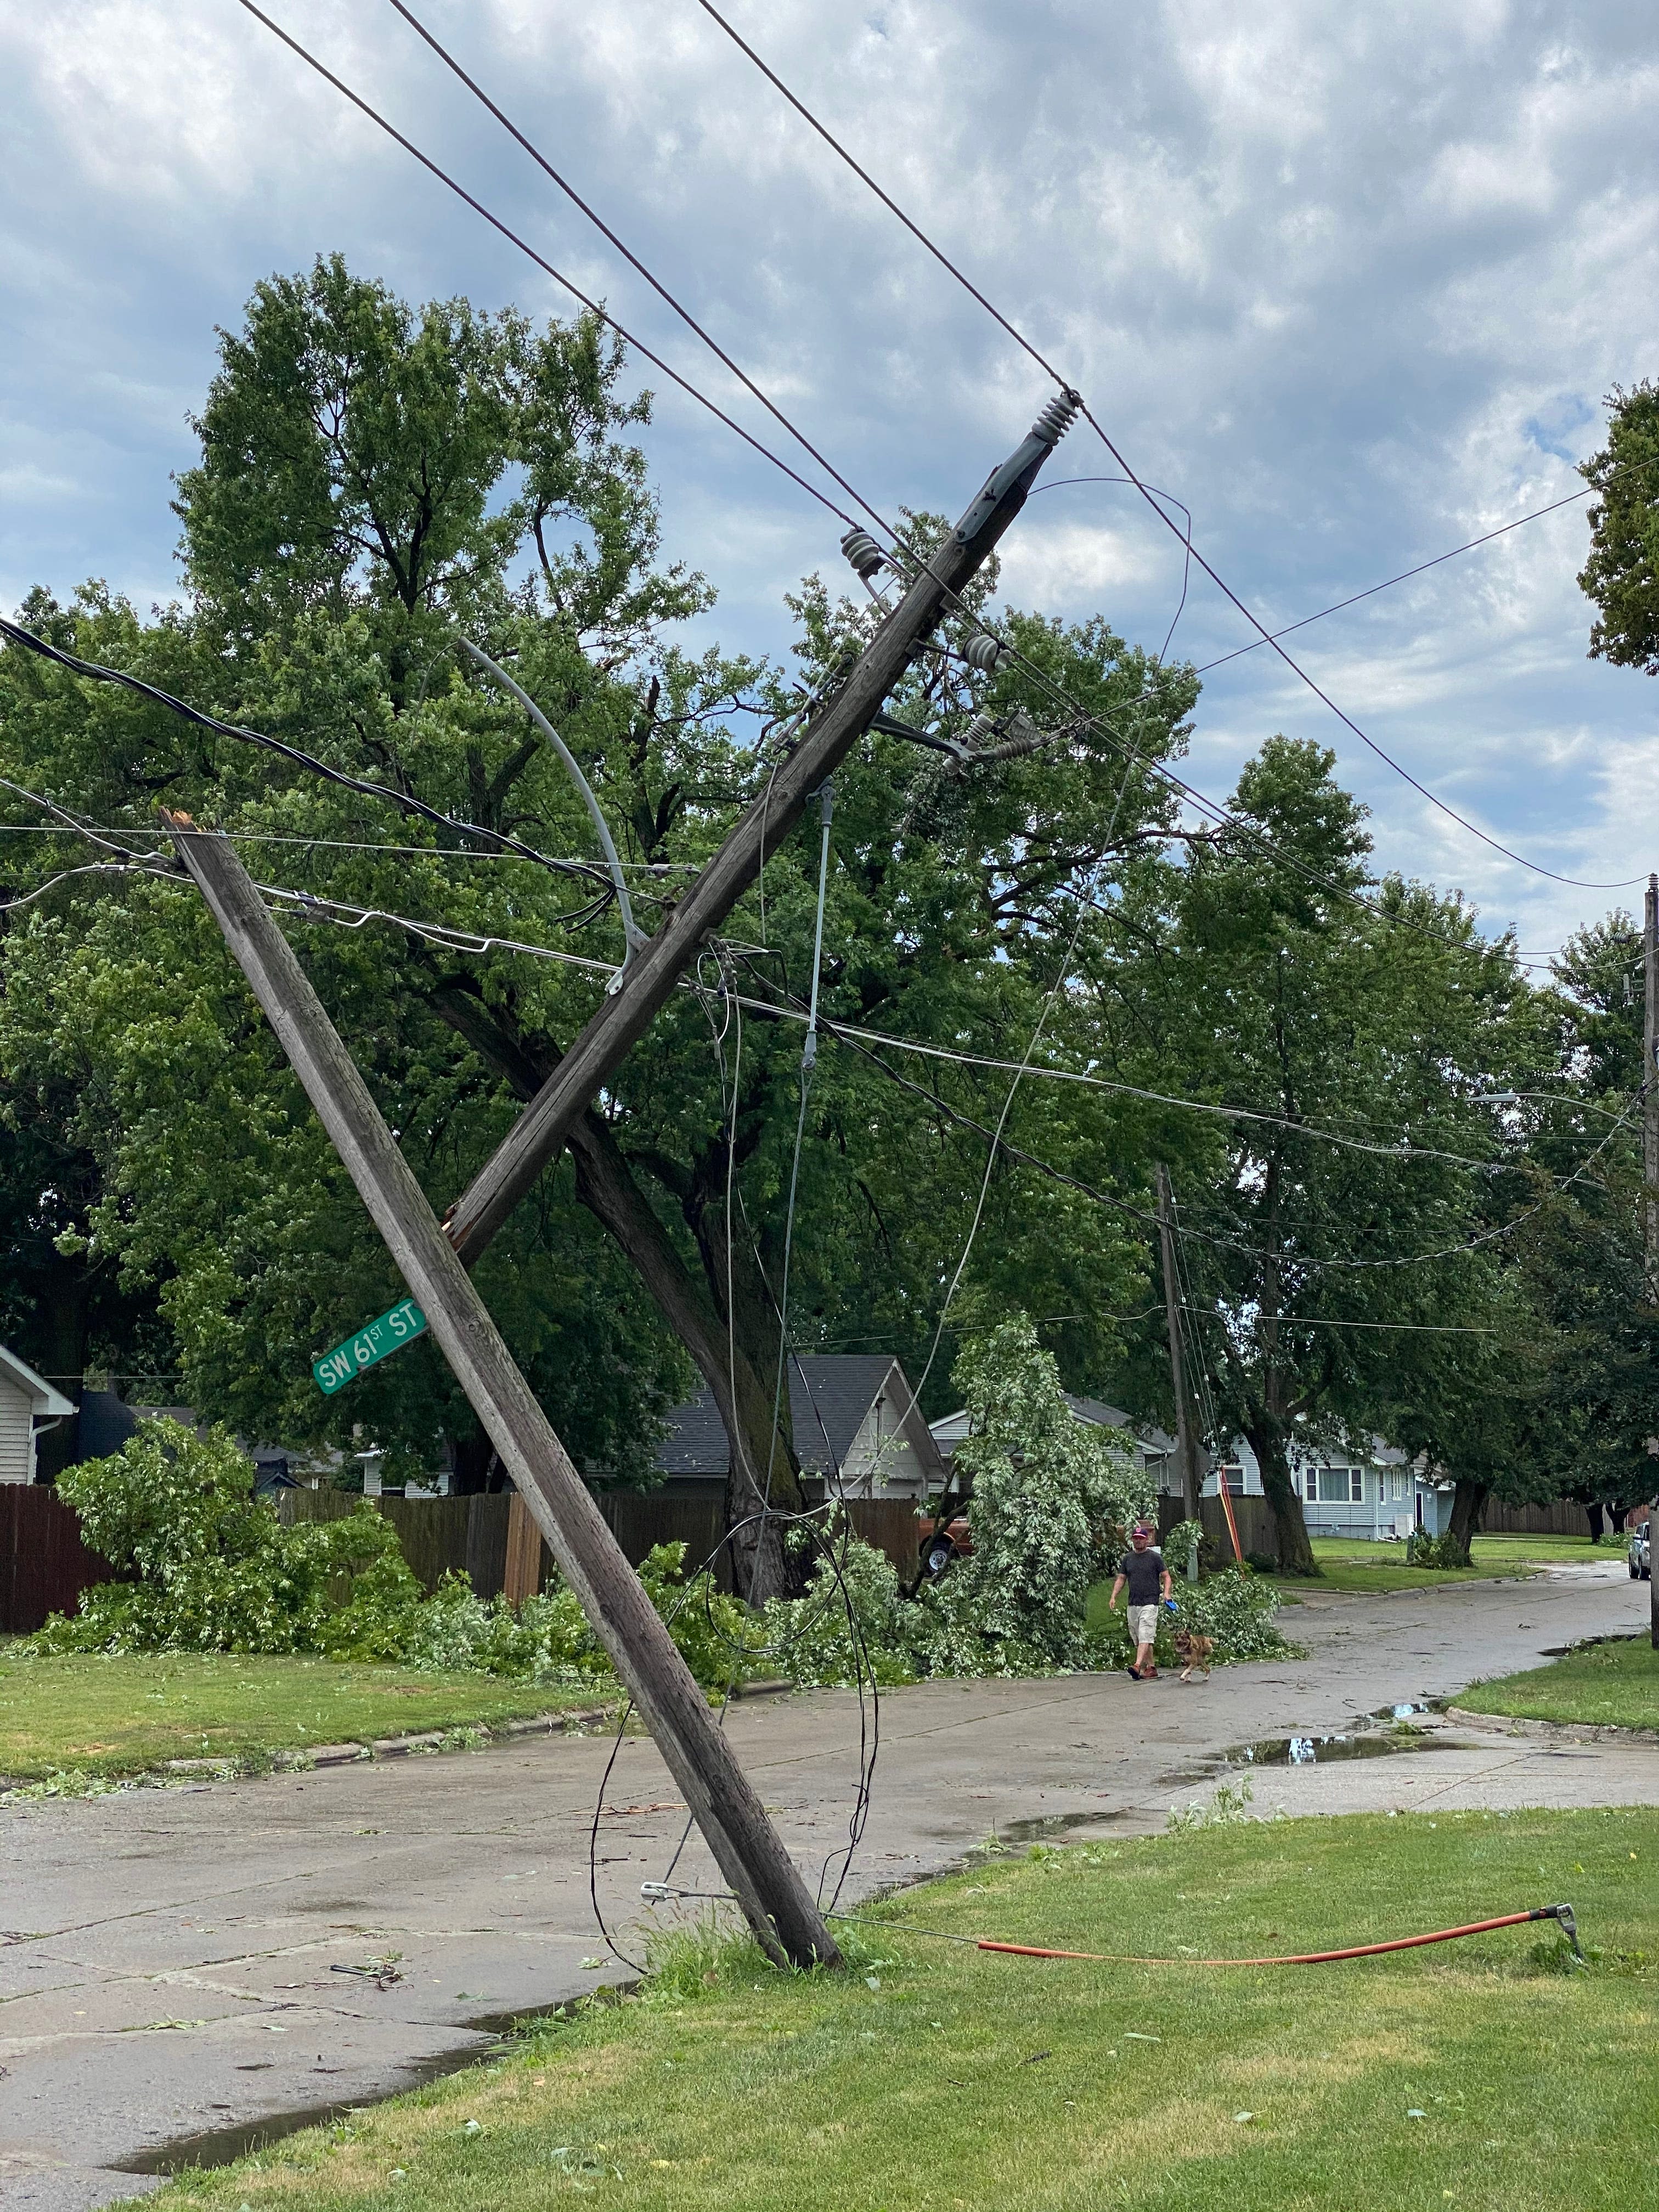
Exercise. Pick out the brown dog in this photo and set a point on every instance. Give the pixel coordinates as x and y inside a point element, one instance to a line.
<point>1194,1651</point>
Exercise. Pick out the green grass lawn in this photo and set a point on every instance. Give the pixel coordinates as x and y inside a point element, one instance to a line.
<point>937,2078</point>
<point>1350,1564</point>
<point>120,1715</point>
<point>1611,1684</point>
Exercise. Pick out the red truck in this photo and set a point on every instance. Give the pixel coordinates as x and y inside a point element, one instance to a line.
<point>943,1542</point>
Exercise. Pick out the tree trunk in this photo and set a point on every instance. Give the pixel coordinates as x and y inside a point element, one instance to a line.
<point>1468,1502</point>
<point>607,1186</point>
<point>63,1302</point>
<point>1267,1440</point>
<point>474,1458</point>
<point>1597,1520</point>
<point>762,1474</point>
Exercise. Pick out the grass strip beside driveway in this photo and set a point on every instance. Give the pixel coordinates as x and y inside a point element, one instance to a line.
<point>1361,1568</point>
<point>109,1716</point>
<point>1611,1684</point>
<point>934,2078</point>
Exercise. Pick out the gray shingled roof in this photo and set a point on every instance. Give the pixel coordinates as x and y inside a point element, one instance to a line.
<point>829,1394</point>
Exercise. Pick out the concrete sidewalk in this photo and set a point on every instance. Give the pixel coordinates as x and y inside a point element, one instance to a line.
<point>169,1960</point>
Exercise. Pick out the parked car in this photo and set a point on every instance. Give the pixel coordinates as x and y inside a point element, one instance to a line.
<point>1640,1554</point>
<point>942,1543</point>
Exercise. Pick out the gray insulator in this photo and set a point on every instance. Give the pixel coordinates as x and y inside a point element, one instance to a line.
<point>979,731</point>
<point>862,551</point>
<point>983,652</point>
<point>1057,418</point>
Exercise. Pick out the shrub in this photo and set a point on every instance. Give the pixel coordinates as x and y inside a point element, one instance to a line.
<point>213,1568</point>
<point>851,1615</point>
<point>547,1638</point>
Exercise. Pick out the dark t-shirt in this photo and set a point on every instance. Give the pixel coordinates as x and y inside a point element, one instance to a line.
<point>1144,1574</point>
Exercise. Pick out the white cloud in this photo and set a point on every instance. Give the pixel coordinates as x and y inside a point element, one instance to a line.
<point>1351,283</point>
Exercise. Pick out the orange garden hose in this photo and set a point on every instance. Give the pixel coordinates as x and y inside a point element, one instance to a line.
<point>1559,1913</point>
<point>658,1892</point>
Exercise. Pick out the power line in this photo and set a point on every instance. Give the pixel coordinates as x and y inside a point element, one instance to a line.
<point>15,634</point>
<point>1405,575</point>
<point>1266,636</point>
<point>452,937</point>
<point>631,257</point>
<point>335,844</point>
<point>541,261</point>
<point>478,206</point>
<point>1291,1259</point>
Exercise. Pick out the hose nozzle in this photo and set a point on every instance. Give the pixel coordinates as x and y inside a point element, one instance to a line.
<point>1563,1914</point>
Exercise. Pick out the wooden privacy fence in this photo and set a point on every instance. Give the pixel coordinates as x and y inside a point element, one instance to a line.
<point>1257,1531</point>
<point>1562,1517</point>
<point>436,1535</point>
<point>491,1539</point>
<point>44,1565</point>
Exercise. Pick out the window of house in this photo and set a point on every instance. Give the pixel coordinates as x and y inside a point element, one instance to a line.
<point>1357,1486</point>
<point>1234,1479</point>
<point>1397,1485</point>
<point>1338,1486</point>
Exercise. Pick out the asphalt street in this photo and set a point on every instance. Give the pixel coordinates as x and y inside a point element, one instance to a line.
<point>180,1965</point>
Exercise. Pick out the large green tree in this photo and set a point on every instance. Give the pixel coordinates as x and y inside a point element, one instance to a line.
<point>1622,572</point>
<point>375,485</point>
<point>1281,978</point>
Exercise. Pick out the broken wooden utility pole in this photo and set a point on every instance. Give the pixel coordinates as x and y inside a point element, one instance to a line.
<point>750,1853</point>
<point>1186,1449</point>
<point>535,1139</point>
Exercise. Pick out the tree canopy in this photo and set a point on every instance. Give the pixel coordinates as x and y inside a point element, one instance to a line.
<point>1365,1242</point>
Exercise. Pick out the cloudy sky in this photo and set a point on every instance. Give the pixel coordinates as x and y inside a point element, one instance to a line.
<point>1351,283</point>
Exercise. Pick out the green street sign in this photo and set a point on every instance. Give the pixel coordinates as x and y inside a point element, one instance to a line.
<point>368,1346</point>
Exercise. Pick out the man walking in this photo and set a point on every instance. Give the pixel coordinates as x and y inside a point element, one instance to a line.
<point>1148,1580</point>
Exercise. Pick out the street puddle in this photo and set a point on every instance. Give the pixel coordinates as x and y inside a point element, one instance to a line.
<point>1390,1742</point>
<point>1320,1750</point>
<point>1054,1824</point>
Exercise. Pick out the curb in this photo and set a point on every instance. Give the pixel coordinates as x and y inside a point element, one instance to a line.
<point>427,1739</point>
<point>1571,1731</point>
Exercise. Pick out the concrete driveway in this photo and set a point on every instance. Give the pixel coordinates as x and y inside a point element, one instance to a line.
<point>190,1964</point>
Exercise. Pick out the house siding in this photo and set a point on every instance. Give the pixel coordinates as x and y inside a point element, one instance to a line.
<point>16,1430</point>
<point>892,1460</point>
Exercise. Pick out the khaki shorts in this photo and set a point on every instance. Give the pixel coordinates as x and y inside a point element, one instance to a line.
<point>1143,1623</point>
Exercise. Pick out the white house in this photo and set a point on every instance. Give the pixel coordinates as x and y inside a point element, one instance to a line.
<point>1153,1449</point>
<point>857,1428</point>
<point>27,1403</point>
<point>1370,1490</point>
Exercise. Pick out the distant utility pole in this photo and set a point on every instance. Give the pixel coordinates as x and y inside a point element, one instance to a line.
<point>537,1137</point>
<point>1650,1163</point>
<point>1186,1444</point>
<point>748,1849</point>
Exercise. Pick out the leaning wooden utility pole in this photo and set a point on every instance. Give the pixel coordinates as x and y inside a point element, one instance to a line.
<point>538,1135</point>
<point>1185,1441</point>
<point>750,1855</point>
<point>1650,1164</point>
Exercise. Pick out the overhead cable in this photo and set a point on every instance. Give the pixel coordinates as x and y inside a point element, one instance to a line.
<point>540,260</point>
<point>629,256</point>
<point>1266,636</point>
<point>405,801</point>
<point>900,555</point>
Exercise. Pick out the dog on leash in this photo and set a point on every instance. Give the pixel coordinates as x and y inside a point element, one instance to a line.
<point>1194,1651</point>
